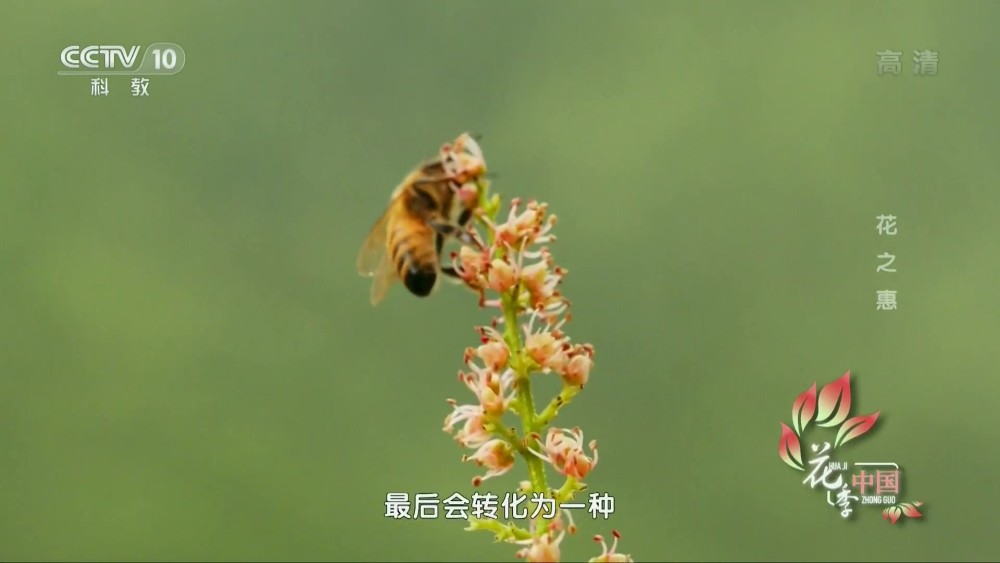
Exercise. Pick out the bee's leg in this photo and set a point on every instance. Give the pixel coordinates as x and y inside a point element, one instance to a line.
<point>443,229</point>
<point>449,271</point>
<point>467,238</point>
<point>465,217</point>
<point>449,230</point>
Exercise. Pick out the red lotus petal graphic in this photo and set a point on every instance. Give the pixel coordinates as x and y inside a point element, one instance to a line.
<point>894,514</point>
<point>910,509</point>
<point>803,409</point>
<point>854,427</point>
<point>834,401</point>
<point>789,448</point>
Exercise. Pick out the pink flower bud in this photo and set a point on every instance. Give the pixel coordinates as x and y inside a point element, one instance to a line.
<point>521,227</point>
<point>463,160</point>
<point>542,549</point>
<point>541,346</point>
<point>474,433</point>
<point>496,456</point>
<point>494,354</point>
<point>493,390</point>
<point>501,276</point>
<point>564,450</point>
<point>493,404</point>
<point>470,264</point>
<point>544,546</point>
<point>577,371</point>
<point>533,277</point>
<point>578,465</point>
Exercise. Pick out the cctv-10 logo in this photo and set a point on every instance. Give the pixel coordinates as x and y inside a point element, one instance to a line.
<point>158,58</point>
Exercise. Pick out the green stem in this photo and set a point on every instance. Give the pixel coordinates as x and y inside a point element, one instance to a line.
<point>508,434</point>
<point>565,493</point>
<point>536,468</point>
<point>501,531</point>
<point>561,400</point>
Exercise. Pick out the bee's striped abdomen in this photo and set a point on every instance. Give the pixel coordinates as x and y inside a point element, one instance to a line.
<point>414,255</point>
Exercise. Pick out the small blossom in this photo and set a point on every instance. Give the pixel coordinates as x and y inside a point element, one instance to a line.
<point>491,334</point>
<point>543,548</point>
<point>463,160</point>
<point>492,390</point>
<point>501,276</point>
<point>564,450</point>
<point>496,456</point>
<point>540,279</point>
<point>550,317</point>
<point>471,264</point>
<point>533,277</point>
<point>517,226</point>
<point>609,555</point>
<point>547,348</point>
<point>473,433</point>
<point>577,370</point>
<point>528,227</point>
<point>494,354</point>
<point>541,346</point>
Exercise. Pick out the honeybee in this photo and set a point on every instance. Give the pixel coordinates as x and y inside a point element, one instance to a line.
<point>430,205</point>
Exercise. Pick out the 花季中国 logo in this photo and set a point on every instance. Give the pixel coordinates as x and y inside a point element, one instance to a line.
<point>870,483</point>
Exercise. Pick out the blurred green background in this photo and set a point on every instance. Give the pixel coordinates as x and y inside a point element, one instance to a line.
<point>191,369</point>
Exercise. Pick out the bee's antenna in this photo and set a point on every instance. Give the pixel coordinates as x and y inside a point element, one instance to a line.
<point>476,136</point>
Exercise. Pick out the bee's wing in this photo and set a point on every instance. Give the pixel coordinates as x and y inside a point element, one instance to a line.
<point>382,280</point>
<point>373,252</point>
<point>373,259</point>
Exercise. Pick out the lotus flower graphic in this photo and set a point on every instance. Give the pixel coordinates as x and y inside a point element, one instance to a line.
<point>831,408</point>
